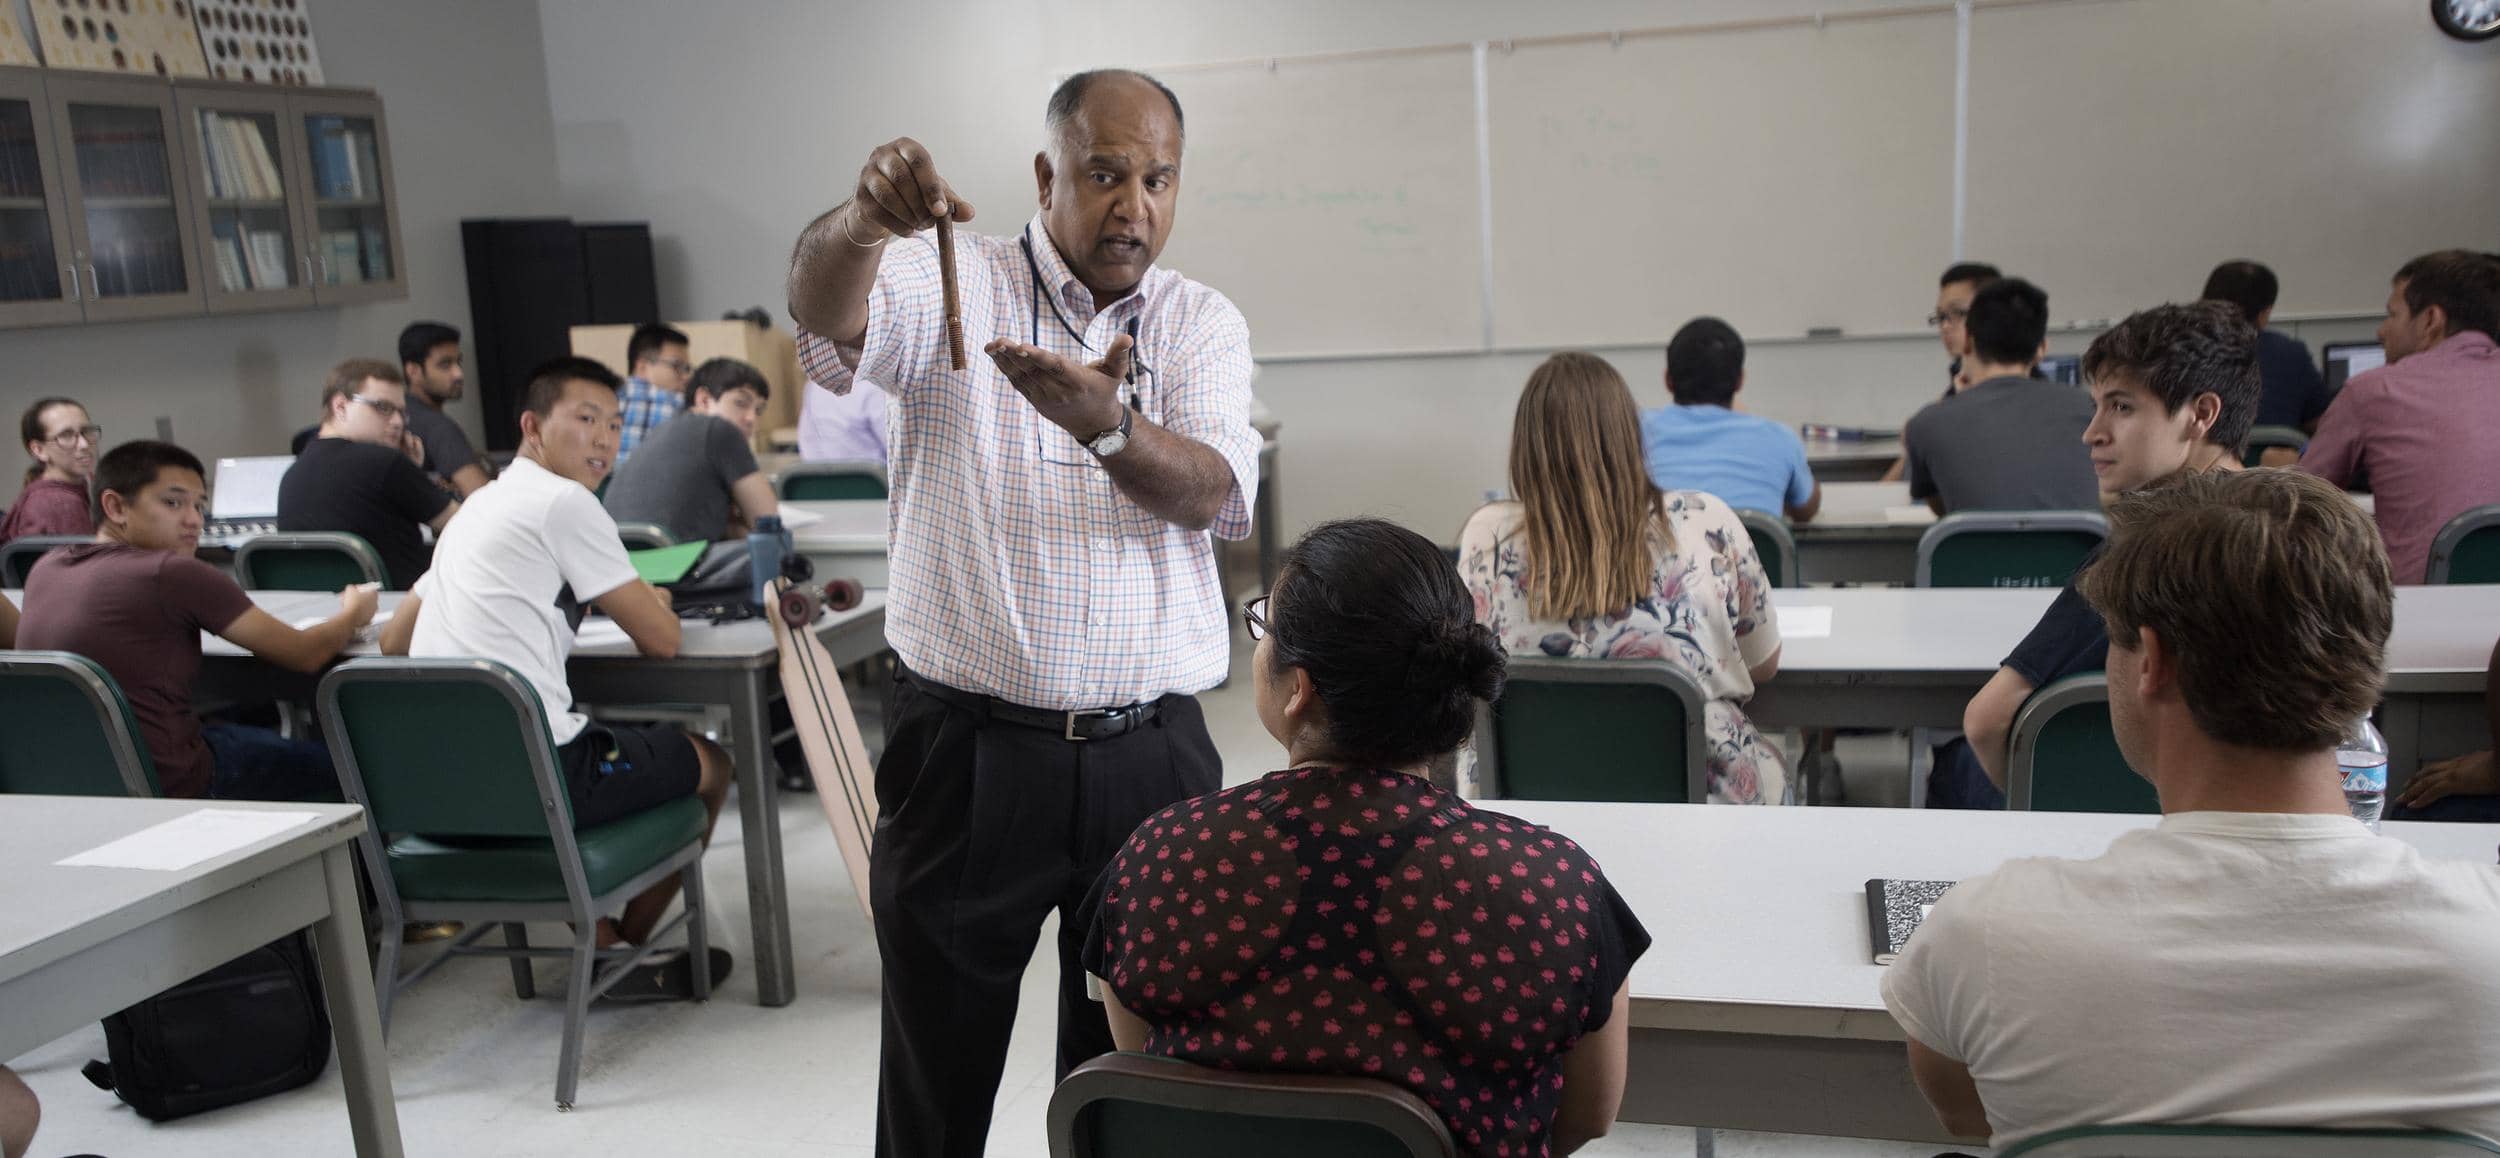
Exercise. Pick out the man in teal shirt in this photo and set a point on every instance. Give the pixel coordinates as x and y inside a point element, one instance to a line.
<point>1700,444</point>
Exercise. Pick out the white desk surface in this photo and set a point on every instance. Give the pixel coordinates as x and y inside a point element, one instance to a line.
<point>1864,505</point>
<point>2442,639</point>
<point>846,525</point>
<point>1852,449</point>
<point>1758,915</point>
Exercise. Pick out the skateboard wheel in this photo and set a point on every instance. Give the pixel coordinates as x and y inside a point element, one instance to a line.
<point>843,594</point>
<point>798,606</point>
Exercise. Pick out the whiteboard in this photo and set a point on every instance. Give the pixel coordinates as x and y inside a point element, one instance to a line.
<point>1782,178</point>
<point>2119,151</point>
<point>1335,201</point>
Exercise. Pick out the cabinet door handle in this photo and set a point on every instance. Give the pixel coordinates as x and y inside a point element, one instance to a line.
<point>69,288</point>
<point>95,285</point>
<point>308,274</point>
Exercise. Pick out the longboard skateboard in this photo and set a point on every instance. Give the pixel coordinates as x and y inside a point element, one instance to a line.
<point>821,714</point>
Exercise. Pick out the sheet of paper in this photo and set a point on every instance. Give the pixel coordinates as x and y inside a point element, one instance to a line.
<point>309,622</point>
<point>184,841</point>
<point>1917,513</point>
<point>598,632</point>
<point>794,518</point>
<point>1805,622</point>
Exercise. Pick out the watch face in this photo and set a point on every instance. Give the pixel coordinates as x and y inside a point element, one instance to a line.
<point>1109,444</point>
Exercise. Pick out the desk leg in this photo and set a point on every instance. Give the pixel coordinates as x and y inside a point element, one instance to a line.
<point>759,818</point>
<point>346,979</point>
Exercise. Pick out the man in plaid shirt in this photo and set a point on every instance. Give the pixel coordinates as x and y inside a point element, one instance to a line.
<point>1054,594</point>
<point>655,386</point>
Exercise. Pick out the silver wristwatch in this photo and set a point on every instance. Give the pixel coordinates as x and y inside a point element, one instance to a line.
<point>1113,441</point>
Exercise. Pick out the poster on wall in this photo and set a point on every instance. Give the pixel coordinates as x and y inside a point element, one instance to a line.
<point>143,36</point>
<point>14,47</point>
<point>259,41</point>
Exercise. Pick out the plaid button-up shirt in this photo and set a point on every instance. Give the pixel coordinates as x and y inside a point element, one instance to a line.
<point>645,406</point>
<point>1019,570</point>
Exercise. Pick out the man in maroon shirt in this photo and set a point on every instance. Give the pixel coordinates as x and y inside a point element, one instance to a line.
<point>136,600</point>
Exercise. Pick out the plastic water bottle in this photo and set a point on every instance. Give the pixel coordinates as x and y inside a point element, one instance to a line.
<point>2362,758</point>
<point>768,541</point>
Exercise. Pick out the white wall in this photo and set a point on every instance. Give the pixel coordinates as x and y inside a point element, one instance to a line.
<point>463,86</point>
<point>729,128</point>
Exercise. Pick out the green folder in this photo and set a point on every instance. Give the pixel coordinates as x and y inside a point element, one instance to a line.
<point>662,566</point>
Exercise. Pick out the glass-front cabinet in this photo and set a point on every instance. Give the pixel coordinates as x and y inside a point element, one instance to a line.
<point>353,222</point>
<point>246,187</point>
<point>130,226</point>
<point>38,283</point>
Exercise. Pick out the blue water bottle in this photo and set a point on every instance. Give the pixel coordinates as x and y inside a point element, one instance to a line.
<point>766,545</point>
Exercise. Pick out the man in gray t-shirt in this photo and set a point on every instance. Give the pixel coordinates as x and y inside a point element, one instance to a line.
<point>2008,442</point>
<point>693,470</point>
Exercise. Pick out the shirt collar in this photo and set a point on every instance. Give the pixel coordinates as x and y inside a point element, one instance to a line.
<point>2264,825</point>
<point>1071,290</point>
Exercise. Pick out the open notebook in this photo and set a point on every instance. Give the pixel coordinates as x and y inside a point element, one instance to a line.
<point>1894,910</point>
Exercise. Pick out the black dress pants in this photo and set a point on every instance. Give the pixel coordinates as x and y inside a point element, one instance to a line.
<point>984,827</point>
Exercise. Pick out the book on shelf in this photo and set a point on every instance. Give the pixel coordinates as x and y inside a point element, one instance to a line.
<point>346,262</point>
<point>266,249</point>
<point>228,250</point>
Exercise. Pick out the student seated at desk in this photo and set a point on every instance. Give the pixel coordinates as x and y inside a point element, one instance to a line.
<point>1702,444</point>
<point>1366,952</point>
<point>63,441</point>
<point>2007,441</point>
<point>2173,388</point>
<point>2259,958</point>
<point>1593,561</point>
<point>844,427</point>
<point>656,370</point>
<point>1951,319</point>
<point>358,477</point>
<point>530,539</point>
<point>429,356</point>
<point>136,600</point>
<point>696,473</point>
<point>2422,426</point>
<point>2294,393</point>
<point>2465,788</point>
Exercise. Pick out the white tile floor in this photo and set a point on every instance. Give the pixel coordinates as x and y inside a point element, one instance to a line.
<point>474,1069</point>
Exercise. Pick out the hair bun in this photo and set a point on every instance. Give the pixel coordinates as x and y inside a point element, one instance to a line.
<point>1465,654</point>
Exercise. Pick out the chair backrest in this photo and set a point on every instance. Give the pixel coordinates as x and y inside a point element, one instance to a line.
<point>810,481</point>
<point>1772,541</point>
<point>2467,550</point>
<point>1596,729</point>
<point>2008,548</point>
<point>18,555</point>
<point>2064,757</point>
<point>443,747</point>
<point>1127,1105</point>
<point>68,729</point>
<point>2259,438</point>
<point>306,561</point>
<point>644,536</point>
<point>2245,1142</point>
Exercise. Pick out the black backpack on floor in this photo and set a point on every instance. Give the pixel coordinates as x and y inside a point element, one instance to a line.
<point>247,1029</point>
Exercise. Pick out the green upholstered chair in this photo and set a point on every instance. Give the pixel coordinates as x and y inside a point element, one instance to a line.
<point>2263,437</point>
<point>644,536</point>
<point>18,556</point>
<point>70,731</point>
<point>474,824</point>
<point>1128,1105</point>
<point>2063,757</point>
<point>813,481</point>
<point>1773,542</point>
<point>1595,729</point>
<point>2007,548</point>
<point>2245,1142</point>
<point>2467,550</point>
<point>306,561</point>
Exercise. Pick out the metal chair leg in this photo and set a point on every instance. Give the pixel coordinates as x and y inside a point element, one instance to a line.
<point>386,977</point>
<point>576,1011</point>
<point>516,936</point>
<point>698,936</point>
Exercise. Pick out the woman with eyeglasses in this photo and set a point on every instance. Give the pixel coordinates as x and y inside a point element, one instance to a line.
<point>64,443</point>
<point>1592,561</point>
<point>1344,916</point>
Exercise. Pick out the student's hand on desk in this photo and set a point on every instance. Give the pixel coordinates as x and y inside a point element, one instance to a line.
<point>1082,399</point>
<point>901,193</point>
<point>359,602</point>
<point>2472,775</point>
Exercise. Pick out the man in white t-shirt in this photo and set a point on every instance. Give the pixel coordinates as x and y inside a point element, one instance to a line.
<point>532,546</point>
<point>2259,958</point>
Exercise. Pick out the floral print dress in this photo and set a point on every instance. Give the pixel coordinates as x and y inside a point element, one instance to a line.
<point>1707,609</point>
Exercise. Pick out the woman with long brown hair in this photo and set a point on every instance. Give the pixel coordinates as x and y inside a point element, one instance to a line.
<point>64,443</point>
<point>1591,560</point>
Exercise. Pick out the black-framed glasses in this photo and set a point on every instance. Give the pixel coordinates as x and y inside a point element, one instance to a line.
<point>674,364</point>
<point>1254,618</point>
<point>387,410</point>
<point>91,434</point>
<point>1956,316</point>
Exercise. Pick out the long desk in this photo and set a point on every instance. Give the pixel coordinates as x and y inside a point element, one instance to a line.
<point>1902,657</point>
<point>1851,459</point>
<point>1756,1007</point>
<point>79,943</point>
<point>734,665</point>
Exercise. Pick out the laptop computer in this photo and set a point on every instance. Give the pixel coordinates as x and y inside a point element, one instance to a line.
<point>243,497</point>
<point>2345,359</point>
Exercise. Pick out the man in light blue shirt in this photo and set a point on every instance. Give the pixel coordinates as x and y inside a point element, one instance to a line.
<point>1699,444</point>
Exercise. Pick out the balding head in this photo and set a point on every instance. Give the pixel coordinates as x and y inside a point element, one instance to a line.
<point>1110,178</point>
<point>1068,101</point>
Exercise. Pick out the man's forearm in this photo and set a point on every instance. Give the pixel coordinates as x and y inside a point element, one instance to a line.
<point>1176,478</point>
<point>830,276</point>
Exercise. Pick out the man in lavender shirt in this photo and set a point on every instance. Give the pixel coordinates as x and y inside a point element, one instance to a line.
<point>2422,427</point>
<point>843,427</point>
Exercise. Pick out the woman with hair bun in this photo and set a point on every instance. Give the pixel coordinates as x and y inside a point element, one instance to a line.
<point>1592,561</point>
<point>1345,916</point>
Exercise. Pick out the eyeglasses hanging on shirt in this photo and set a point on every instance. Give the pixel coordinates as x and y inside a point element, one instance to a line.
<point>1138,370</point>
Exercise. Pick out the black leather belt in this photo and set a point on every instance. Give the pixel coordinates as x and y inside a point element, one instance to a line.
<point>1089,724</point>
